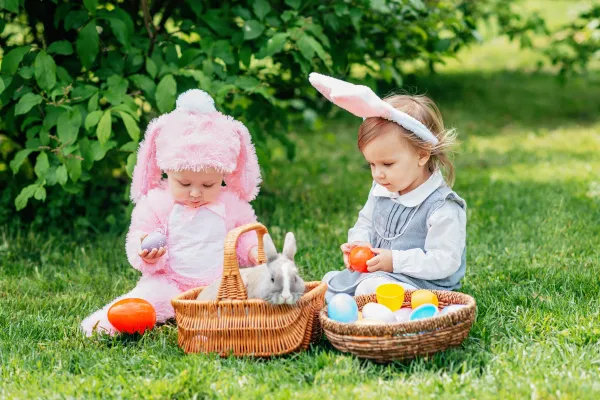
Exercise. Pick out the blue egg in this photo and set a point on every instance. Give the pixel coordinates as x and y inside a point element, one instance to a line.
<point>423,311</point>
<point>154,240</point>
<point>342,308</point>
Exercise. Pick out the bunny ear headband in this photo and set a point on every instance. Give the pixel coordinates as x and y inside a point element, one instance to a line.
<point>363,102</point>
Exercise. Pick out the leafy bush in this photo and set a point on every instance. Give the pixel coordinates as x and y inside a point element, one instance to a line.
<point>81,80</point>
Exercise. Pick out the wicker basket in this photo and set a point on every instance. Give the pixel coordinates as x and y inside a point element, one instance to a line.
<point>403,341</point>
<point>235,325</point>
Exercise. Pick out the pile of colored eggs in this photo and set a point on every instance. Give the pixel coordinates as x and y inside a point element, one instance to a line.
<point>388,309</point>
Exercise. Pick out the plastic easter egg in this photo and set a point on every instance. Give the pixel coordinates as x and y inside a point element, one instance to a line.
<point>378,312</point>
<point>342,308</point>
<point>402,315</point>
<point>423,311</point>
<point>358,258</point>
<point>132,315</point>
<point>370,321</point>
<point>451,308</point>
<point>154,240</point>
<point>422,296</point>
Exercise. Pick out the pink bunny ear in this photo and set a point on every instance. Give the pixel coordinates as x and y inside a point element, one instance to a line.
<point>146,174</point>
<point>245,179</point>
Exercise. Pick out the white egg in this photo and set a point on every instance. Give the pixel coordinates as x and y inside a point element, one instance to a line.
<point>378,311</point>
<point>402,314</point>
<point>452,308</point>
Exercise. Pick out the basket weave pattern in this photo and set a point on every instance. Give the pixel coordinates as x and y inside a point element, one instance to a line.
<point>403,341</point>
<point>236,325</point>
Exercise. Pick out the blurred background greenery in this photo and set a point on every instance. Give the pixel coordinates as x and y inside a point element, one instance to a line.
<point>80,80</point>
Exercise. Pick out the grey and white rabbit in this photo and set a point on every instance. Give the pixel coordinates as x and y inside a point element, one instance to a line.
<point>277,281</point>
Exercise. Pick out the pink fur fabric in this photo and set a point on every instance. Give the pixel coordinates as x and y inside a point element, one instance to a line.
<point>195,137</point>
<point>159,283</point>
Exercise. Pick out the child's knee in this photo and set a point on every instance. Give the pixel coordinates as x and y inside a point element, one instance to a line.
<point>327,277</point>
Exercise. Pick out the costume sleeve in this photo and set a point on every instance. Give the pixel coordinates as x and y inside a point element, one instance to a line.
<point>444,246</point>
<point>144,219</point>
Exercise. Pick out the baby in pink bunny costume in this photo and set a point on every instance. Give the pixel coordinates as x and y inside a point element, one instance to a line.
<point>198,148</point>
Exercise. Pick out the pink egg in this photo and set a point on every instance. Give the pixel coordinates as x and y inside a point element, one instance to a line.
<point>155,240</point>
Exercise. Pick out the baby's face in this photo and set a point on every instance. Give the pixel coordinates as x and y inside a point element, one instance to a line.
<point>194,189</point>
<point>395,163</point>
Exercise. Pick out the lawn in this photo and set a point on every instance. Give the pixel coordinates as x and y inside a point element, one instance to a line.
<point>529,170</point>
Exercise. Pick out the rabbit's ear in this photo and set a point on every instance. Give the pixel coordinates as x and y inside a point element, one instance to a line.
<point>289,246</point>
<point>270,250</point>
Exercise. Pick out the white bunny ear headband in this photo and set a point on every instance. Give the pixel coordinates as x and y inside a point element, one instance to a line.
<point>363,102</point>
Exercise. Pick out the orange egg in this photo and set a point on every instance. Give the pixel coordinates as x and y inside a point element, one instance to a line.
<point>358,258</point>
<point>132,315</point>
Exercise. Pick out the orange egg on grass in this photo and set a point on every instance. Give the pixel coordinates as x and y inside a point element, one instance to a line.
<point>132,315</point>
<point>358,258</point>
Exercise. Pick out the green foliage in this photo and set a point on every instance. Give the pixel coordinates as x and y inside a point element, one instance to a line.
<point>80,80</point>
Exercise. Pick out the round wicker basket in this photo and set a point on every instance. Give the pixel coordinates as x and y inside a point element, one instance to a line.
<point>403,341</point>
<point>236,325</point>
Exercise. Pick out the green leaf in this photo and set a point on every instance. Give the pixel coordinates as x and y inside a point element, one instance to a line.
<point>68,126</point>
<point>81,93</point>
<point>63,75</point>
<point>273,46</point>
<point>295,4</point>
<point>131,160</point>
<point>224,51</point>
<point>91,5</point>
<point>92,119</point>
<point>25,195</point>
<point>253,29</point>
<point>119,29</point>
<point>246,55</point>
<point>200,77</point>
<point>11,61</point>
<point>196,7</point>
<point>27,102</point>
<point>93,102</point>
<point>26,72</point>
<point>45,70</point>
<point>61,47</point>
<point>261,8</point>
<point>247,83</point>
<point>40,193</point>
<point>61,175</point>
<point>99,150</point>
<point>2,86</point>
<point>146,84</point>
<point>75,19</point>
<point>10,5</point>
<point>165,94</point>
<point>104,127</point>
<point>41,164</point>
<point>85,148</point>
<point>151,67</point>
<point>74,168</point>
<point>87,44</point>
<point>52,114</point>
<point>16,162</point>
<point>130,146</point>
<point>117,88</point>
<point>132,128</point>
<point>309,46</point>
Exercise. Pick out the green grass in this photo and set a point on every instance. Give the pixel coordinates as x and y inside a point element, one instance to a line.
<point>530,172</point>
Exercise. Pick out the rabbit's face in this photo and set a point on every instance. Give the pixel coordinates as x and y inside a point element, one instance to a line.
<point>286,285</point>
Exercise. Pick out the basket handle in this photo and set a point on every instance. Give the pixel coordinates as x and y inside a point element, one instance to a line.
<point>232,287</point>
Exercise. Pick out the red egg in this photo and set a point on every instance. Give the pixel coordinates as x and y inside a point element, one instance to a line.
<point>132,315</point>
<point>358,258</point>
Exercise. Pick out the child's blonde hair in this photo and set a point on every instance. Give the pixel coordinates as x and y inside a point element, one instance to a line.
<point>425,110</point>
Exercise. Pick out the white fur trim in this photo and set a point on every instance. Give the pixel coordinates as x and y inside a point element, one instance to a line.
<point>196,100</point>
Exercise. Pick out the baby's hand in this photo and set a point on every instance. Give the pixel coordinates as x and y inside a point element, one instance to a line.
<point>383,261</point>
<point>151,256</point>
<point>347,248</point>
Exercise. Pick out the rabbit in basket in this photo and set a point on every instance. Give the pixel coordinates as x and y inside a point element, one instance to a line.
<point>277,281</point>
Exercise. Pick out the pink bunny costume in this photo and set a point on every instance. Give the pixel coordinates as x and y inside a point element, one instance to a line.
<point>194,136</point>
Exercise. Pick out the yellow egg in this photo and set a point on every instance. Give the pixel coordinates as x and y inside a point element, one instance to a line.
<point>420,297</point>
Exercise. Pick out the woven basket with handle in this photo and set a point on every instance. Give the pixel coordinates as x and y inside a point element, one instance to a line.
<point>403,341</point>
<point>236,325</point>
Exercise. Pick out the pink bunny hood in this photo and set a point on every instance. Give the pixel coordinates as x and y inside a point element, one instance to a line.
<point>195,136</point>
